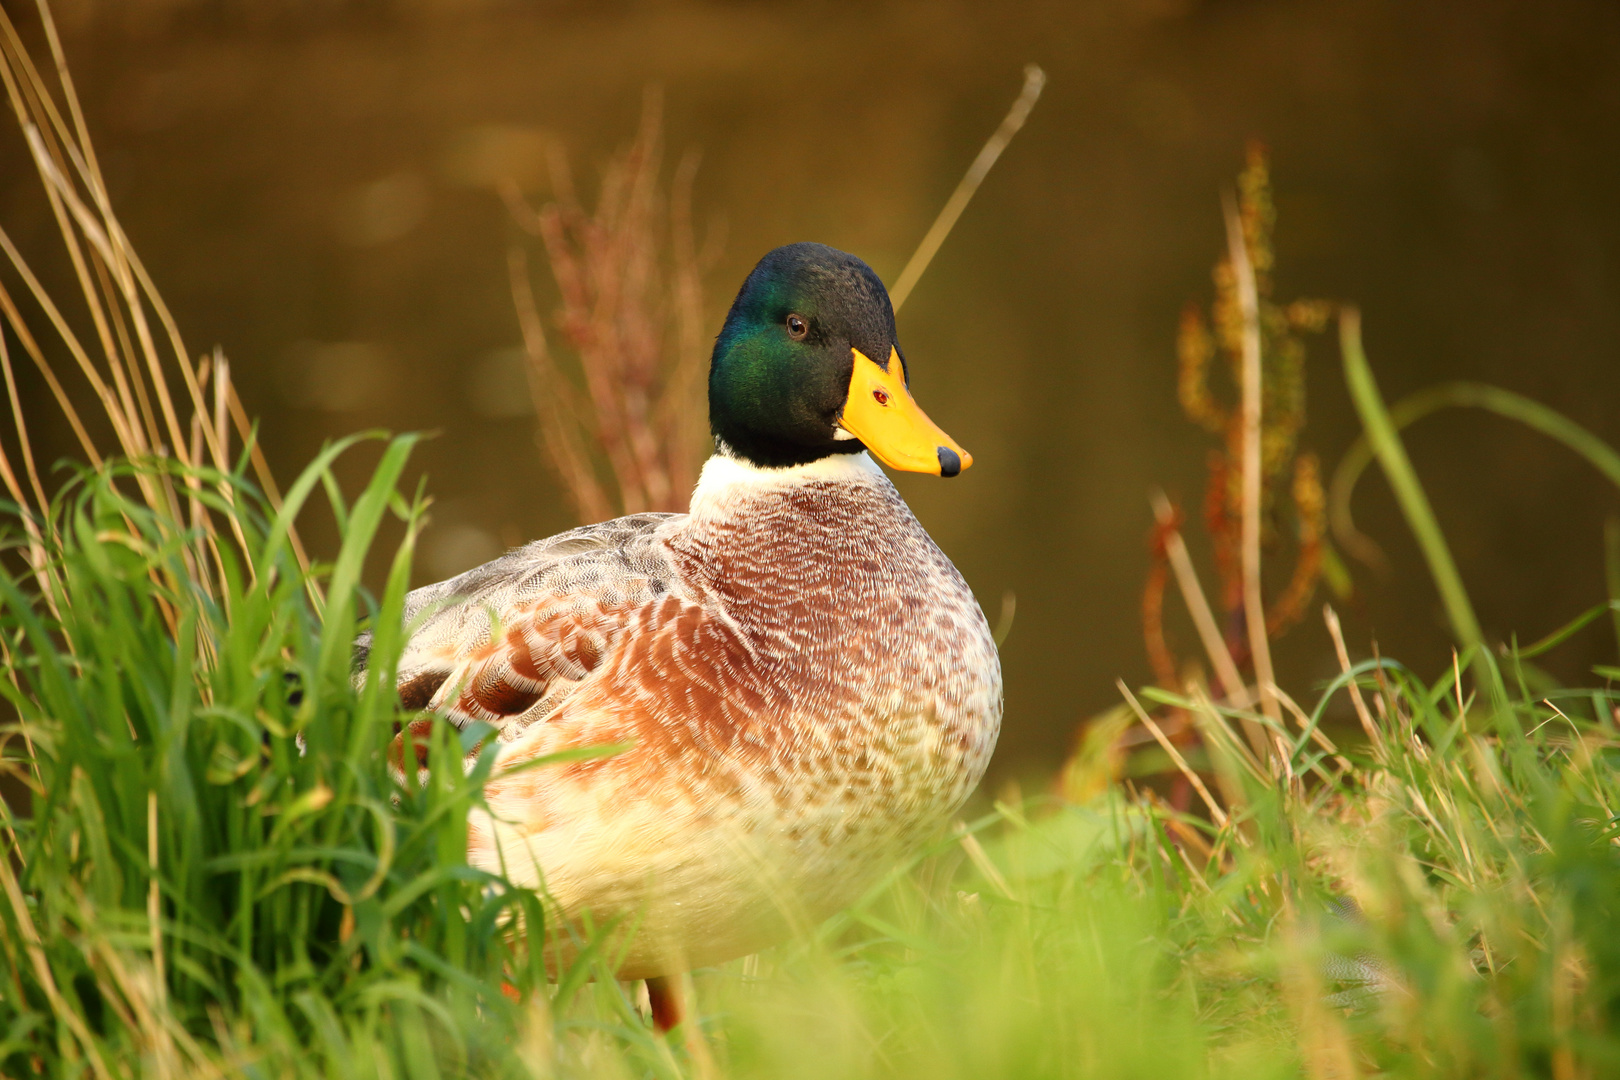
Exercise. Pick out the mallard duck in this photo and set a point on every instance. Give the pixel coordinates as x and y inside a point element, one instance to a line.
<point>807,687</point>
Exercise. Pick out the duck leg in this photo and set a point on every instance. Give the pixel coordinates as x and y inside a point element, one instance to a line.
<point>664,999</point>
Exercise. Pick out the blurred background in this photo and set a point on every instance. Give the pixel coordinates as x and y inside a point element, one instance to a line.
<point>314,186</point>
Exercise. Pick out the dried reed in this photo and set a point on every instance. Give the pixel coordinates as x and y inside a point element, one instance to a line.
<point>1263,344</point>
<point>136,348</point>
<point>989,154</point>
<point>630,281</point>
<point>1265,355</point>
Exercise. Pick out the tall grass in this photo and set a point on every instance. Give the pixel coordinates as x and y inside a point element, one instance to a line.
<point>1439,902</point>
<point>216,867</point>
<point>218,875</point>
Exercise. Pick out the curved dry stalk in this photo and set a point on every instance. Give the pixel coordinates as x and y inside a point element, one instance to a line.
<point>1034,83</point>
<point>124,363</point>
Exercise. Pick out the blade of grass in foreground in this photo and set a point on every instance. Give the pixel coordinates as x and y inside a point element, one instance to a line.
<point>214,849</point>
<point>1414,503</point>
<point>1527,411</point>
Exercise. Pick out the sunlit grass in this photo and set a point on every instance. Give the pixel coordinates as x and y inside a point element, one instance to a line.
<point>214,864</point>
<point>315,918</point>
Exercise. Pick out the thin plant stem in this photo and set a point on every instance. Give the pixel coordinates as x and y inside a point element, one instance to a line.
<point>1169,747</point>
<point>1414,407</point>
<point>1192,594</point>
<point>553,395</point>
<point>1611,568</point>
<point>1336,632</point>
<point>154,899</point>
<point>1254,604</point>
<point>71,95</point>
<point>1403,480</point>
<point>1034,83</point>
<point>103,393</point>
<point>14,318</point>
<point>116,290</point>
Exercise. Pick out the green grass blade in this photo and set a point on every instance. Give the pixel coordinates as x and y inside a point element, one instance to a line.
<point>363,520</point>
<point>1414,407</point>
<point>1386,445</point>
<point>1611,568</point>
<point>1570,629</point>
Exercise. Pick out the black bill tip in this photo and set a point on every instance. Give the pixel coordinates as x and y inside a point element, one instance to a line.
<point>949,463</point>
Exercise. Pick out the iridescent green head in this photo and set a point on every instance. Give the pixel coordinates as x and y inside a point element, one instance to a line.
<point>808,365</point>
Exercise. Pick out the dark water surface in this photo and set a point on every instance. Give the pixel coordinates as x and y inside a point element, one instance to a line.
<point>309,184</point>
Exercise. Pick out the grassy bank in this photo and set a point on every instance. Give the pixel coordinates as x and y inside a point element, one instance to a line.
<point>216,874</point>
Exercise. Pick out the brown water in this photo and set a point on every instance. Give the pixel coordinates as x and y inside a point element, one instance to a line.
<point>308,184</point>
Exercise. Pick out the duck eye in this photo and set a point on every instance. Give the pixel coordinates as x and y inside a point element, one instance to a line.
<point>797,328</point>
<point>881,396</point>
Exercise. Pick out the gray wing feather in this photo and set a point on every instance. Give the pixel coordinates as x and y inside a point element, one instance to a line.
<point>614,562</point>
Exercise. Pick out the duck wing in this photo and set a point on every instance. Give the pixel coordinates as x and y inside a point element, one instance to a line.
<point>507,642</point>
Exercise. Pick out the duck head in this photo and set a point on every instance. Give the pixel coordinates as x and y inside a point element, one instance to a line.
<point>807,366</point>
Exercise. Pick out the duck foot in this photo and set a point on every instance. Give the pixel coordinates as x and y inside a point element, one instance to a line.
<point>664,999</point>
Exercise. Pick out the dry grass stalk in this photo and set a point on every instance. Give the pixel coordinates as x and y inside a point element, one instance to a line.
<point>42,970</point>
<point>1217,732</point>
<point>629,279</point>
<point>1158,578</point>
<point>1244,323</point>
<point>1034,83</point>
<point>1258,466</point>
<point>129,366</point>
<point>1254,607</point>
<point>982,861</point>
<point>1172,552</point>
<point>127,361</point>
<point>1215,811</point>
<point>1192,594</point>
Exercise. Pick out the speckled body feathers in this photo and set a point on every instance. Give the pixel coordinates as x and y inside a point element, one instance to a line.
<point>808,687</point>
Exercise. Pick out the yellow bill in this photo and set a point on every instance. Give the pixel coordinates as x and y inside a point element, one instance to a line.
<point>881,412</point>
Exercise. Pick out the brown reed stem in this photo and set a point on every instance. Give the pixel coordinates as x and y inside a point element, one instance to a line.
<point>1192,594</point>
<point>1169,747</point>
<point>1331,618</point>
<point>1034,83</point>
<point>628,277</point>
<point>1254,607</point>
<point>116,290</point>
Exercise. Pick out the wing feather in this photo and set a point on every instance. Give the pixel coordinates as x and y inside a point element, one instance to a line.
<point>508,642</point>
